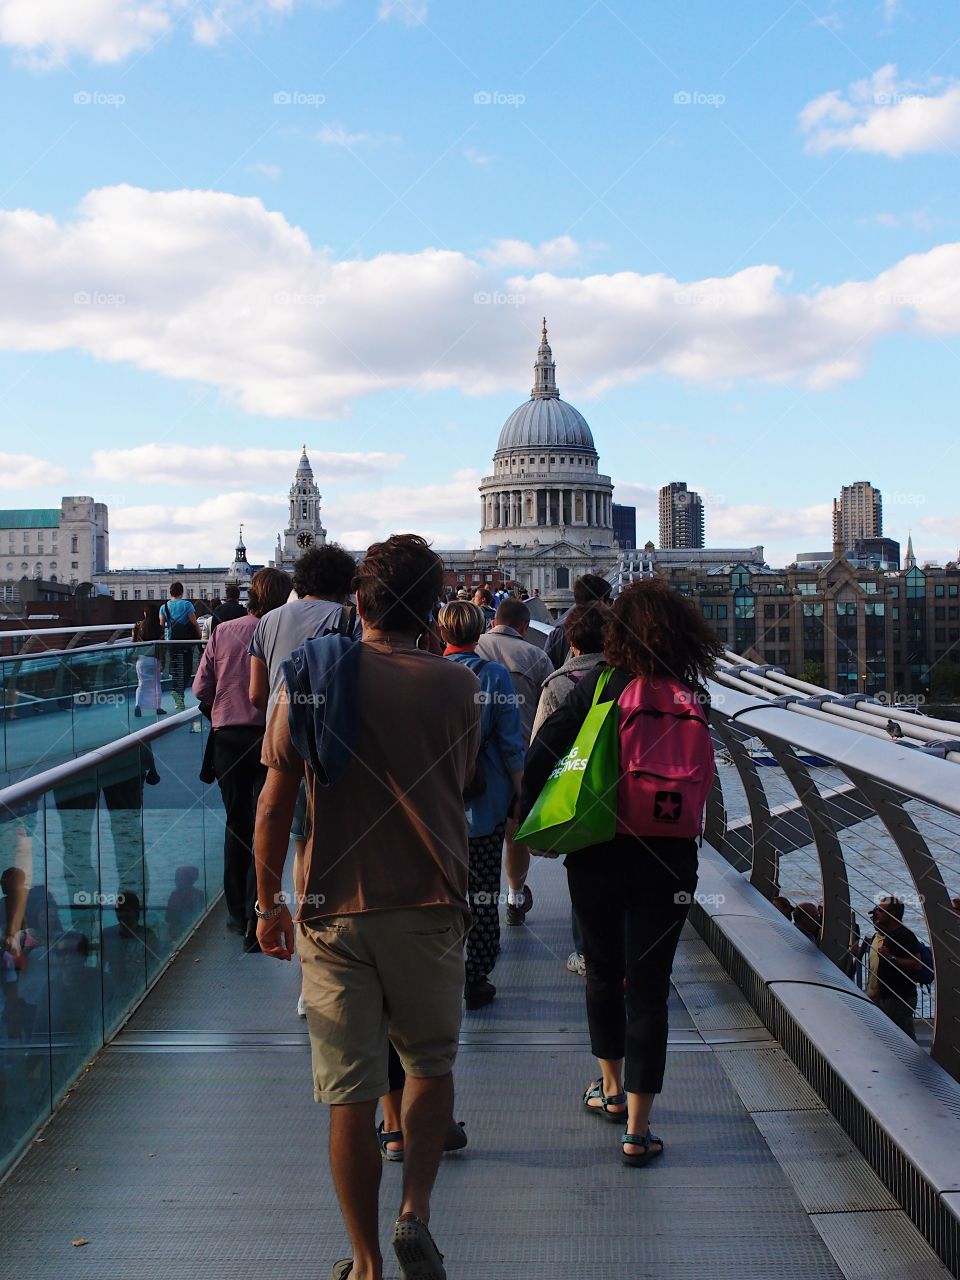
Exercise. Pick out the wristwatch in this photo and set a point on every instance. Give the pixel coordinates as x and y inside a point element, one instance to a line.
<point>267,915</point>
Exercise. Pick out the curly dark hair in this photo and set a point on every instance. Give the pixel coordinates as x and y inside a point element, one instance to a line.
<point>583,627</point>
<point>398,582</point>
<point>652,630</point>
<point>324,571</point>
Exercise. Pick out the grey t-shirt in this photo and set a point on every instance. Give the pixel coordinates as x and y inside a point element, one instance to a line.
<point>282,630</point>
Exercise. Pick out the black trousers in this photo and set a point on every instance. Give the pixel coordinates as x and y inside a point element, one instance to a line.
<point>483,940</point>
<point>236,762</point>
<point>181,666</point>
<point>631,898</point>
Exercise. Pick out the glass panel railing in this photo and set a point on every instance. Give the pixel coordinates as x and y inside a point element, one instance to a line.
<point>104,870</point>
<point>55,706</point>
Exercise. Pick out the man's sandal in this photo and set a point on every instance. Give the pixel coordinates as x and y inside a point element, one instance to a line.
<point>645,1141</point>
<point>595,1090</point>
<point>456,1140</point>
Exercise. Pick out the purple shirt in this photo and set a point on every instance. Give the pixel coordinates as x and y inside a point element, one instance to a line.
<point>223,677</point>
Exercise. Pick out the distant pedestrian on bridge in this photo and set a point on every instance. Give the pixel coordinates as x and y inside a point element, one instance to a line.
<point>179,618</point>
<point>632,894</point>
<point>148,666</point>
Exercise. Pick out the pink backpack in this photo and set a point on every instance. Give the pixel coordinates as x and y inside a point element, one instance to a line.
<point>666,760</point>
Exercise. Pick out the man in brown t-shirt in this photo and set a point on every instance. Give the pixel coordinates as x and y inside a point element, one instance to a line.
<point>384,912</point>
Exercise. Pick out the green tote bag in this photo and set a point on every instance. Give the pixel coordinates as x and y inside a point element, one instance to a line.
<point>578,804</point>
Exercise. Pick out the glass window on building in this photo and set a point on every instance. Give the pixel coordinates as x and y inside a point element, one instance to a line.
<point>137,595</point>
<point>807,588</point>
<point>938,590</point>
<point>916,584</point>
<point>870,588</point>
<point>707,610</point>
<point>721,611</point>
<point>150,595</point>
<point>124,594</point>
<point>940,613</point>
<point>953,589</point>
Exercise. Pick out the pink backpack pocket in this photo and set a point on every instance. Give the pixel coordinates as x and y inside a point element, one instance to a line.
<point>666,760</point>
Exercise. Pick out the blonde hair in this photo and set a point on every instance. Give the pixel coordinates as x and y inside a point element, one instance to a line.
<point>461,622</point>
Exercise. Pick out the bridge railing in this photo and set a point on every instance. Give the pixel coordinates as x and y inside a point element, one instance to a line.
<point>107,863</point>
<point>58,703</point>
<point>839,803</point>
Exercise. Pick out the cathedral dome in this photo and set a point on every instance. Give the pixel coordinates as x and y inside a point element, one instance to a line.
<point>546,423</point>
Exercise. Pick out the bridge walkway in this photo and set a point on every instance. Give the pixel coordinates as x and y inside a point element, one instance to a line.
<point>192,1147</point>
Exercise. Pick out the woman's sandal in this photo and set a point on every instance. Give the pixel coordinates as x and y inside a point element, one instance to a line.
<point>595,1090</point>
<point>456,1140</point>
<point>635,1140</point>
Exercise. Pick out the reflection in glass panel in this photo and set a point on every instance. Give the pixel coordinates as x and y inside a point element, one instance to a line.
<point>24,997</point>
<point>73,881</point>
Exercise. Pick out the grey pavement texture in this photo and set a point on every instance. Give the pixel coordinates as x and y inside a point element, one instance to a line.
<point>193,1148</point>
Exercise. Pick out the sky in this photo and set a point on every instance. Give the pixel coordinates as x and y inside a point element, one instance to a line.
<point>232,227</point>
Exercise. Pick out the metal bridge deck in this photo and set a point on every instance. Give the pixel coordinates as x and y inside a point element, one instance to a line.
<point>192,1147</point>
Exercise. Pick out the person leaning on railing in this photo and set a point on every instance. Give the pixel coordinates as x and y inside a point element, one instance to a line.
<point>893,964</point>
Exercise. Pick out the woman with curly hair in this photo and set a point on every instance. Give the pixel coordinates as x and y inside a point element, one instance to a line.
<point>631,895</point>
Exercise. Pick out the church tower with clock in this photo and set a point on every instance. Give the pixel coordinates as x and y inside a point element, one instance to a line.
<point>304,528</point>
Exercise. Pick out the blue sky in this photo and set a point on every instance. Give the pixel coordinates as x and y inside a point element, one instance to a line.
<point>227,229</point>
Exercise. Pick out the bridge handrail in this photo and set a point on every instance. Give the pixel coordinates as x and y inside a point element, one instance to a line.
<point>19,793</point>
<point>885,776</point>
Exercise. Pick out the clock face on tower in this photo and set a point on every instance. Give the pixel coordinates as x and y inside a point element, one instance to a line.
<point>304,539</point>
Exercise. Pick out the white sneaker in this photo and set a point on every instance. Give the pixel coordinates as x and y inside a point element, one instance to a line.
<point>576,963</point>
<point>301,1007</point>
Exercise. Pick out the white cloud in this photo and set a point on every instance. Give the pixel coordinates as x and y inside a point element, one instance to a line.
<point>884,116</point>
<point>337,135</point>
<point>410,12</point>
<point>217,289</point>
<point>890,10</point>
<point>558,252</point>
<point>191,465</point>
<point>475,156</point>
<point>452,505</point>
<point>48,32</point>
<point>23,470</point>
<point>203,533</point>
